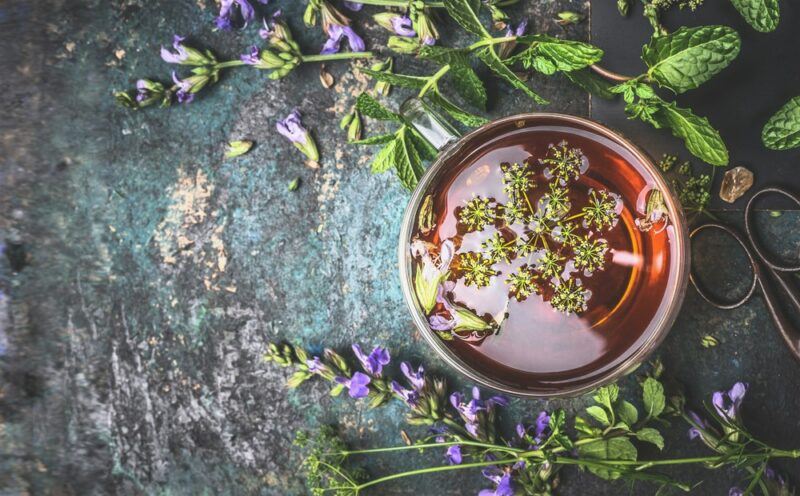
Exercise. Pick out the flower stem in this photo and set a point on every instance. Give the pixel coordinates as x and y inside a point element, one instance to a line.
<point>229,63</point>
<point>430,470</point>
<point>399,3</point>
<point>610,75</point>
<point>433,445</point>
<point>336,56</point>
<point>491,41</point>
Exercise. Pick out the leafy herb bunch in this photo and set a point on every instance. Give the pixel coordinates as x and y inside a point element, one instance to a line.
<point>606,442</point>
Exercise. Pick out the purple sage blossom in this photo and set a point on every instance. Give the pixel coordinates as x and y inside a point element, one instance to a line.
<point>180,53</point>
<point>402,26</point>
<point>504,485</point>
<point>314,365</point>
<point>292,128</point>
<point>453,455</point>
<point>696,432</point>
<point>735,491</point>
<point>252,57</point>
<point>519,30</point>
<point>727,404</point>
<point>538,432</point>
<point>142,90</point>
<point>416,379</point>
<point>228,12</point>
<point>335,34</point>
<point>184,93</point>
<point>269,25</point>
<point>354,6</point>
<point>374,362</point>
<point>409,396</point>
<point>356,385</point>
<point>471,409</point>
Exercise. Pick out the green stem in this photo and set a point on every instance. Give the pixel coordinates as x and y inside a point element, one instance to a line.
<point>433,445</point>
<point>336,56</point>
<point>430,470</point>
<point>229,63</point>
<point>433,80</point>
<point>399,3</point>
<point>491,41</point>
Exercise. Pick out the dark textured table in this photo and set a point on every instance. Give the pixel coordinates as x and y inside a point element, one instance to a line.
<point>144,274</point>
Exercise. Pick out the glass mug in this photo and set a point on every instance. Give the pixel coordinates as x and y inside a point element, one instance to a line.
<point>547,329</point>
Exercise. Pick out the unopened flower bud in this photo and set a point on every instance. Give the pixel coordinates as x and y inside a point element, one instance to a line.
<point>403,45</point>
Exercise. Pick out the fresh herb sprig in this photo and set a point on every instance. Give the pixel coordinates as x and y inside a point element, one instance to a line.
<point>605,442</point>
<point>761,15</point>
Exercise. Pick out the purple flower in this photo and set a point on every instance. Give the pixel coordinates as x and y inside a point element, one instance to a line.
<point>252,57</point>
<point>356,385</point>
<point>142,90</point>
<point>416,379</point>
<point>335,34</point>
<point>314,365</point>
<point>735,491</point>
<point>374,362</point>
<point>538,431</point>
<point>728,403</point>
<point>227,13</point>
<point>430,41</point>
<point>180,54</point>
<point>470,410</point>
<point>354,6</point>
<point>409,396</point>
<point>184,93</point>
<point>444,321</point>
<point>269,26</point>
<point>503,483</point>
<point>519,30</point>
<point>292,128</point>
<point>403,26</point>
<point>696,432</point>
<point>453,455</point>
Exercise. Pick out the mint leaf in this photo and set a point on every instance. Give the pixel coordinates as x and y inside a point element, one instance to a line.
<point>653,397</point>
<point>782,130</point>
<point>402,80</point>
<point>457,113</point>
<point>379,139</point>
<point>627,413</point>
<point>607,395</point>
<point>372,108</point>
<point>406,160</point>
<point>701,139</point>
<point>464,13</point>
<point>599,414</point>
<point>762,15</point>
<point>384,160</point>
<point>495,63</point>
<point>687,58</point>
<point>650,435</point>
<point>591,82</point>
<point>465,81</point>
<point>616,448</point>
<point>564,55</point>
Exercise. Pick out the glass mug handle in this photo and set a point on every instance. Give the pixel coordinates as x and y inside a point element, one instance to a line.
<point>432,126</point>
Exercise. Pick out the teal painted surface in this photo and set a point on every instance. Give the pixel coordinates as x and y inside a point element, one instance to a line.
<point>145,274</point>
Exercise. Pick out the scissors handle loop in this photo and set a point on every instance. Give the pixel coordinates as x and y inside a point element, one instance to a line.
<point>751,234</point>
<point>709,296</point>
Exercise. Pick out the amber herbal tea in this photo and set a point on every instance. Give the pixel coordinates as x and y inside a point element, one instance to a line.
<point>541,254</point>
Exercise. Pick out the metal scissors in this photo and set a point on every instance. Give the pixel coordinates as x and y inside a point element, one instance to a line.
<point>766,272</point>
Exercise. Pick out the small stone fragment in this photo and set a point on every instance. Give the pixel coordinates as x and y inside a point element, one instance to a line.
<point>735,183</point>
<point>325,77</point>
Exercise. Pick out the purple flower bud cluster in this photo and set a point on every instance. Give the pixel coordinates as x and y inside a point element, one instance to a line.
<point>415,379</point>
<point>336,32</point>
<point>471,411</point>
<point>232,10</point>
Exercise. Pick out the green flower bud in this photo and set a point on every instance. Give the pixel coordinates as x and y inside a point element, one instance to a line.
<point>310,14</point>
<point>270,60</point>
<point>382,87</point>
<point>403,45</point>
<point>384,19</point>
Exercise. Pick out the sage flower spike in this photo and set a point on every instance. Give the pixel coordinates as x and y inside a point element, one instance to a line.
<point>335,35</point>
<point>292,128</point>
<point>184,55</point>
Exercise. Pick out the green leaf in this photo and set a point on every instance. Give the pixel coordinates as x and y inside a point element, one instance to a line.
<point>372,108</point>
<point>464,79</point>
<point>384,160</point>
<point>237,148</point>
<point>457,113</point>
<point>464,13</point>
<point>375,140</point>
<point>653,397</point>
<point>468,321</point>
<point>607,395</point>
<point>402,80</point>
<point>585,428</point>
<point>650,435</point>
<point>565,55</point>
<point>426,290</point>
<point>406,161</point>
<point>701,139</point>
<point>599,414</point>
<point>627,413</point>
<point>616,448</point>
<point>762,15</point>
<point>687,58</point>
<point>782,130</point>
<point>495,63</point>
<point>591,82</point>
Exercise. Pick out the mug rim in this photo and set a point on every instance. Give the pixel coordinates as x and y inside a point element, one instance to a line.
<point>666,320</point>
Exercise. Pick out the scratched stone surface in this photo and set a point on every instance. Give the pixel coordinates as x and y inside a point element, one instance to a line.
<point>144,275</point>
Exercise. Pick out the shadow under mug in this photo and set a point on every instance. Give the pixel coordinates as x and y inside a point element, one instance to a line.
<point>451,147</point>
